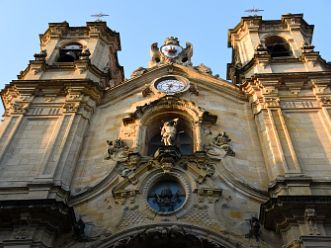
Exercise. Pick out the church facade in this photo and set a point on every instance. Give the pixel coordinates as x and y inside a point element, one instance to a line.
<point>174,156</point>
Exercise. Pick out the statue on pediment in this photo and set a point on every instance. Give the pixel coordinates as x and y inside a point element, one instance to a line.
<point>171,52</point>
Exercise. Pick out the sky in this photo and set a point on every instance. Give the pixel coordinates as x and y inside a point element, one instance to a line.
<point>141,22</point>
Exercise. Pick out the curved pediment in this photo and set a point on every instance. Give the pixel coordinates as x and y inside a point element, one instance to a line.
<point>200,79</point>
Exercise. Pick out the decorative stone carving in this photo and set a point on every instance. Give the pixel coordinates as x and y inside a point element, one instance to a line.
<point>167,200</point>
<point>166,156</point>
<point>171,102</point>
<point>23,232</point>
<point>212,195</point>
<point>165,236</point>
<point>204,69</point>
<point>117,150</point>
<point>135,166</point>
<point>40,56</point>
<point>71,107</point>
<point>129,166</point>
<point>298,104</point>
<point>164,232</point>
<point>74,96</point>
<point>138,72</point>
<point>79,230</point>
<point>199,165</point>
<point>85,54</point>
<point>171,52</point>
<point>220,147</point>
<point>147,91</point>
<point>272,102</point>
<point>326,100</point>
<point>310,218</point>
<point>194,89</point>
<point>18,108</point>
<point>254,229</point>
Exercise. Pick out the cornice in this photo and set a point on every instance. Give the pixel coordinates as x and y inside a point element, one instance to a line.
<point>254,23</point>
<point>83,66</point>
<point>36,87</point>
<point>97,29</point>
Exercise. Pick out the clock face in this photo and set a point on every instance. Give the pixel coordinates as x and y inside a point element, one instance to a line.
<point>170,86</point>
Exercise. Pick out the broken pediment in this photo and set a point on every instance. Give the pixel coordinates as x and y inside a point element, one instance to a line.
<point>171,102</point>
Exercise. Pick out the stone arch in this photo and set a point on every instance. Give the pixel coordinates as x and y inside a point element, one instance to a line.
<point>164,235</point>
<point>277,46</point>
<point>150,115</point>
<point>63,43</point>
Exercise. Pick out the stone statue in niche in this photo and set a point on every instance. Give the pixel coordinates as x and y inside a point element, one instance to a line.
<point>220,147</point>
<point>169,132</point>
<point>117,150</point>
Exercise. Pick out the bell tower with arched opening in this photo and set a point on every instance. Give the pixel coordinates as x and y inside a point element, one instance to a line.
<point>271,46</point>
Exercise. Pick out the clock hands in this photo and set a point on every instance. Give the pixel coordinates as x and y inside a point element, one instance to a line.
<point>170,86</point>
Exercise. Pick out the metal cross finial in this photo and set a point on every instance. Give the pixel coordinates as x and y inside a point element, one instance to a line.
<point>98,16</point>
<point>254,10</point>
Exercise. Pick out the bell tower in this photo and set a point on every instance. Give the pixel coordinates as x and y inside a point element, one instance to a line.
<point>271,46</point>
<point>88,52</point>
<point>287,84</point>
<point>47,113</point>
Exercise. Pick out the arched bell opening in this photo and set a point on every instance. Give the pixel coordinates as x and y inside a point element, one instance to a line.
<point>277,46</point>
<point>70,52</point>
<point>184,138</point>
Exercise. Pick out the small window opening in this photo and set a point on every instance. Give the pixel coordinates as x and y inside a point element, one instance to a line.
<point>277,47</point>
<point>70,53</point>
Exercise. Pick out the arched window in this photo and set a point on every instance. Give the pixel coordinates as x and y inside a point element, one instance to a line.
<point>184,140</point>
<point>70,52</point>
<point>277,46</point>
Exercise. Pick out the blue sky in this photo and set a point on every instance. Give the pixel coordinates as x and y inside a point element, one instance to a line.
<point>203,23</point>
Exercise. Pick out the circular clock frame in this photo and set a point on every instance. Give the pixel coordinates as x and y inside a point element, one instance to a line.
<point>171,84</point>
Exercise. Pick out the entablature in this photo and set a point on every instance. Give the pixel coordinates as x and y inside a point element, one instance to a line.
<point>288,90</point>
<point>97,29</point>
<point>21,96</point>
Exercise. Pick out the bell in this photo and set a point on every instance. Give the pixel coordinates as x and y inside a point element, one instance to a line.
<point>71,54</point>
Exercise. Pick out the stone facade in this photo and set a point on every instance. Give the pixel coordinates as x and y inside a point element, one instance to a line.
<point>82,163</point>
